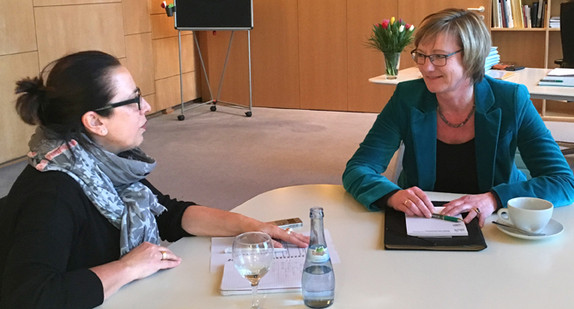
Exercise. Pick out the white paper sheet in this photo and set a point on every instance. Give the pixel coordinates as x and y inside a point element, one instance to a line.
<point>561,72</point>
<point>430,227</point>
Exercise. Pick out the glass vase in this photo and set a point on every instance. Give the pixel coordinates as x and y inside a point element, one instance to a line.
<point>392,61</point>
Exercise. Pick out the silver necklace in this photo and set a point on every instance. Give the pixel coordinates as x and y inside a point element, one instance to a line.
<point>455,125</point>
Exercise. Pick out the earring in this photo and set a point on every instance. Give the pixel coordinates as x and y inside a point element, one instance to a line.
<point>104,131</point>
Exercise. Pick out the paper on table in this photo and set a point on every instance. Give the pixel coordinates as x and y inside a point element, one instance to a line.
<point>499,74</point>
<point>561,72</point>
<point>557,81</point>
<point>220,252</point>
<point>430,227</point>
<point>283,276</point>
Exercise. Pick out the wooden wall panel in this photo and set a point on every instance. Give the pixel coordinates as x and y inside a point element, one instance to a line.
<point>214,45</point>
<point>188,53</point>
<point>17,32</point>
<point>66,29</point>
<point>139,61</point>
<point>365,62</point>
<point>136,16</point>
<point>166,56</point>
<point>162,26</point>
<point>14,133</point>
<point>167,91</point>
<point>70,2</point>
<point>425,7</point>
<point>274,50</point>
<point>190,91</point>
<point>166,60</point>
<point>530,57</point>
<point>155,6</point>
<point>151,100</point>
<point>323,54</point>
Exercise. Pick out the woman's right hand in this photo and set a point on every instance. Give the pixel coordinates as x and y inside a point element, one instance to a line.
<point>412,201</point>
<point>147,258</point>
<point>142,261</point>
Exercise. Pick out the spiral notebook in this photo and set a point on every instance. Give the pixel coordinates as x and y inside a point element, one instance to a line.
<point>283,276</point>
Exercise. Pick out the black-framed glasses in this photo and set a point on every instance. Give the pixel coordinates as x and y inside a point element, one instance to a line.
<point>438,60</point>
<point>137,100</point>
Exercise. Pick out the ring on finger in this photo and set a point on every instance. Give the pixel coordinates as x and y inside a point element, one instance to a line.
<point>163,255</point>
<point>406,202</point>
<point>289,230</point>
<point>477,211</point>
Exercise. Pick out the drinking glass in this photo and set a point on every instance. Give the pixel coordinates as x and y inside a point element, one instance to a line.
<point>252,257</point>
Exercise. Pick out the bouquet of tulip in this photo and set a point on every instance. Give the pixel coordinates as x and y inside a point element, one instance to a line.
<point>391,36</point>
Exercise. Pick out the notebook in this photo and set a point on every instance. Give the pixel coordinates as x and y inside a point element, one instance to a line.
<point>396,238</point>
<point>284,274</point>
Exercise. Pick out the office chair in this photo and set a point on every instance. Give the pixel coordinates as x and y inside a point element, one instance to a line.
<point>567,35</point>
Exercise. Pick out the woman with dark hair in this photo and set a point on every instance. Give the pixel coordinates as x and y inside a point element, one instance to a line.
<point>461,131</point>
<point>81,220</point>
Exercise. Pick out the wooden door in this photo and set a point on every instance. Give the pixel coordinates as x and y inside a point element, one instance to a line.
<point>275,54</point>
<point>323,54</point>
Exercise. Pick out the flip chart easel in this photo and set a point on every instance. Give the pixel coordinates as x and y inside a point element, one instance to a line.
<point>212,15</point>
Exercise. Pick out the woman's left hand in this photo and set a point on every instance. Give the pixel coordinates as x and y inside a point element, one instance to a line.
<point>287,235</point>
<point>477,205</point>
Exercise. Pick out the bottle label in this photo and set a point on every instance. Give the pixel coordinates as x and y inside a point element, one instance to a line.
<point>318,254</point>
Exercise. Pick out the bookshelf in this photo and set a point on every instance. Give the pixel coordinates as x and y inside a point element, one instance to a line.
<point>537,48</point>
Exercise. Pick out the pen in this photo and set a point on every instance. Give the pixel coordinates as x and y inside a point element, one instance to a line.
<point>552,80</point>
<point>446,218</point>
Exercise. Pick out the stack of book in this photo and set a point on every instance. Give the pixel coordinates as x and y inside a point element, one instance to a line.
<point>492,58</point>
<point>554,22</point>
<point>513,14</point>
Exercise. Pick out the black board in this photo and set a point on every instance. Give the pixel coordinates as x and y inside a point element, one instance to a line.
<point>213,14</point>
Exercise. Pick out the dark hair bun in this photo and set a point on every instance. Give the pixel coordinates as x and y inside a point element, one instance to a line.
<point>32,95</point>
<point>33,86</point>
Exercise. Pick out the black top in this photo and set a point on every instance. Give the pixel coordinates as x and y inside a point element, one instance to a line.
<point>51,234</point>
<point>456,168</point>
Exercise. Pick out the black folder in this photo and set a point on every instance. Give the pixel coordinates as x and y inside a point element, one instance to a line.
<point>396,237</point>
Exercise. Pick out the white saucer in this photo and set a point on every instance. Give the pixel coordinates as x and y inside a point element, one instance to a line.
<point>552,229</point>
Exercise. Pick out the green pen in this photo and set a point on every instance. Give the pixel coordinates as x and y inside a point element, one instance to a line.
<point>446,218</point>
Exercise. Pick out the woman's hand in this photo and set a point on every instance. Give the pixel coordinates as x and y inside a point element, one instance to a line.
<point>142,261</point>
<point>147,258</point>
<point>477,205</point>
<point>206,221</point>
<point>287,235</point>
<point>412,201</point>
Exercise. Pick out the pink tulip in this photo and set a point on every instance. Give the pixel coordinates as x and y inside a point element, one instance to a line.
<point>385,24</point>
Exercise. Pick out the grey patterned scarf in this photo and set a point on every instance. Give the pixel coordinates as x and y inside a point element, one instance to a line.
<point>110,181</point>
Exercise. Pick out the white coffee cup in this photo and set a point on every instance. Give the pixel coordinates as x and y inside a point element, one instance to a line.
<point>527,213</point>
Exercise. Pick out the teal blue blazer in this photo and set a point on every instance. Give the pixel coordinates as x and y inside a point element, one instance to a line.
<point>505,120</point>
